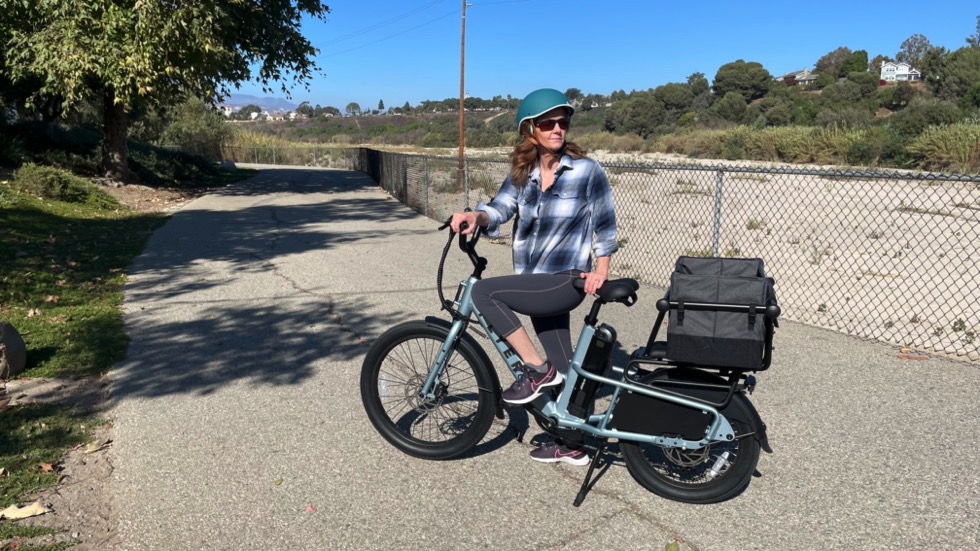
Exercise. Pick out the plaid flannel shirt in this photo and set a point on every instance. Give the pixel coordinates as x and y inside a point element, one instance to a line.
<point>557,230</point>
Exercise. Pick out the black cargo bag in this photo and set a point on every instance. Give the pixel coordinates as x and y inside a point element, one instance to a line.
<point>714,337</point>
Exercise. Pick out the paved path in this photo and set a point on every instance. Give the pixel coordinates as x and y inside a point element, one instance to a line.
<point>239,424</point>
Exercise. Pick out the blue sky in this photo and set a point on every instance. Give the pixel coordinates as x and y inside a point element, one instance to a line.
<point>399,51</point>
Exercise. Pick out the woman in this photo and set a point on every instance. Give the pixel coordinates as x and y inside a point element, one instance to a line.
<point>563,205</point>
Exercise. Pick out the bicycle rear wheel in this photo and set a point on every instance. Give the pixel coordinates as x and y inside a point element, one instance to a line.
<point>714,473</point>
<point>459,415</point>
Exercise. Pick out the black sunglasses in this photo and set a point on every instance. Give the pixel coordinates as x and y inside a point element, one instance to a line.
<point>548,125</point>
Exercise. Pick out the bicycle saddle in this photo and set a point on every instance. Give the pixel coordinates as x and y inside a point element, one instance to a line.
<point>615,290</point>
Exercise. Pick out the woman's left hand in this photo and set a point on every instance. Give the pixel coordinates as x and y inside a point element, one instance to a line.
<point>593,280</point>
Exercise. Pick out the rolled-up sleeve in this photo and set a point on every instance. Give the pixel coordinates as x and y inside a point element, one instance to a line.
<point>603,215</point>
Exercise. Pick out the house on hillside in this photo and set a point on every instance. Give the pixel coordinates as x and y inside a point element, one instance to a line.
<point>798,78</point>
<point>899,72</point>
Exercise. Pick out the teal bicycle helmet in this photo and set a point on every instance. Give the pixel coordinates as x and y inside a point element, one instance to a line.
<point>539,102</point>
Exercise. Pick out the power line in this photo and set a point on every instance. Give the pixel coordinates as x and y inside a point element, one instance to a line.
<point>392,36</point>
<point>382,24</point>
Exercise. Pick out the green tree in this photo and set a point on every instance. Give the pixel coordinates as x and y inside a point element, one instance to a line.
<point>698,83</point>
<point>875,65</point>
<point>953,78</point>
<point>749,79</point>
<point>922,113</point>
<point>934,65</point>
<point>198,129</point>
<point>972,98</point>
<point>898,96</point>
<point>974,39</point>
<point>381,105</point>
<point>831,62</point>
<point>306,110</point>
<point>353,109</point>
<point>823,80</point>
<point>913,50</point>
<point>642,113</point>
<point>674,96</point>
<point>133,52</point>
<point>867,82</point>
<point>245,113</point>
<point>573,94</point>
<point>856,62</point>
<point>841,94</point>
<point>731,107</point>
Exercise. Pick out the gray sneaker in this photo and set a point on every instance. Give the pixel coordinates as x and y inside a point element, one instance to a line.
<point>529,384</point>
<point>555,453</point>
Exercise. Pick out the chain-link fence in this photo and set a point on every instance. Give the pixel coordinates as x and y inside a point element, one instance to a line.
<point>884,255</point>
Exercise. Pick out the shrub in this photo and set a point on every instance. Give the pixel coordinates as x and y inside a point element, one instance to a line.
<point>597,141</point>
<point>922,113</point>
<point>197,129</point>
<point>629,143</point>
<point>12,151</point>
<point>157,165</point>
<point>955,147</point>
<point>52,183</point>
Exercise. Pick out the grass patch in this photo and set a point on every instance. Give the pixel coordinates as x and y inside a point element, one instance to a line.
<point>61,283</point>
<point>66,245</point>
<point>32,436</point>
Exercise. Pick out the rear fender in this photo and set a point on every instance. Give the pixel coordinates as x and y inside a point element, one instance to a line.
<point>756,420</point>
<point>468,338</point>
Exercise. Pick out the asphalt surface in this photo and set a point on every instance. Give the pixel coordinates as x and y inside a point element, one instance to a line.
<point>238,421</point>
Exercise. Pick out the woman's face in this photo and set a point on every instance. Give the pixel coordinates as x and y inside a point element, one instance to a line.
<point>552,139</point>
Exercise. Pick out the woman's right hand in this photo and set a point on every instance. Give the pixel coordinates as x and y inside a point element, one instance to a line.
<point>461,218</point>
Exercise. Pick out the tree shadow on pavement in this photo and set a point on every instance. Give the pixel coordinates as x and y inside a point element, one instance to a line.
<point>221,295</point>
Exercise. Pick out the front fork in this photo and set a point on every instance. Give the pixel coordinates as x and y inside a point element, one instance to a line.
<point>463,312</point>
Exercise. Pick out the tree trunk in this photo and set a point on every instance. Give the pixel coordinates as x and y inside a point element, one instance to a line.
<point>115,151</point>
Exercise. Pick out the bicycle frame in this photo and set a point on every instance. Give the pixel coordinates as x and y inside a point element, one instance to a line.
<point>465,312</point>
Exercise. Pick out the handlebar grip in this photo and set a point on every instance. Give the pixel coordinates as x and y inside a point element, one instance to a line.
<point>773,311</point>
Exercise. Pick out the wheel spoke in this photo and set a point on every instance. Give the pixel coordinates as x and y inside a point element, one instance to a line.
<point>452,409</point>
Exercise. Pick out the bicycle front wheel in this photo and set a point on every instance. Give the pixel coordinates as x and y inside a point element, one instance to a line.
<point>460,411</point>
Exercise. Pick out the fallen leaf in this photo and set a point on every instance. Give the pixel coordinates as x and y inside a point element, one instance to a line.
<point>278,482</point>
<point>72,264</point>
<point>47,468</point>
<point>51,298</point>
<point>33,313</point>
<point>97,446</point>
<point>905,350</point>
<point>4,473</point>
<point>14,512</point>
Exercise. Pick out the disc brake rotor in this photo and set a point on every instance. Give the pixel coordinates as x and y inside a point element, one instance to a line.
<point>420,404</point>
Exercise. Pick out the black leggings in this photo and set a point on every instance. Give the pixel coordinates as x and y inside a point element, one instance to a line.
<point>547,299</point>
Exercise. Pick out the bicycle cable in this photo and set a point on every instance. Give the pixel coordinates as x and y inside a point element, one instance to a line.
<point>446,305</point>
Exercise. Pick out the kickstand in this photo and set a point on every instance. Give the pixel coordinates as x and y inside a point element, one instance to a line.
<point>586,486</point>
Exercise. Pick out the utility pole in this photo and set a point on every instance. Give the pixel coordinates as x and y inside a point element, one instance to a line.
<point>461,171</point>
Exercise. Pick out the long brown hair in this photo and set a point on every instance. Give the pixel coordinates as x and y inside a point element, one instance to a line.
<point>525,154</point>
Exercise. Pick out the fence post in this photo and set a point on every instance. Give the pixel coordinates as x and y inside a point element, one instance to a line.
<point>425,183</point>
<point>719,193</point>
